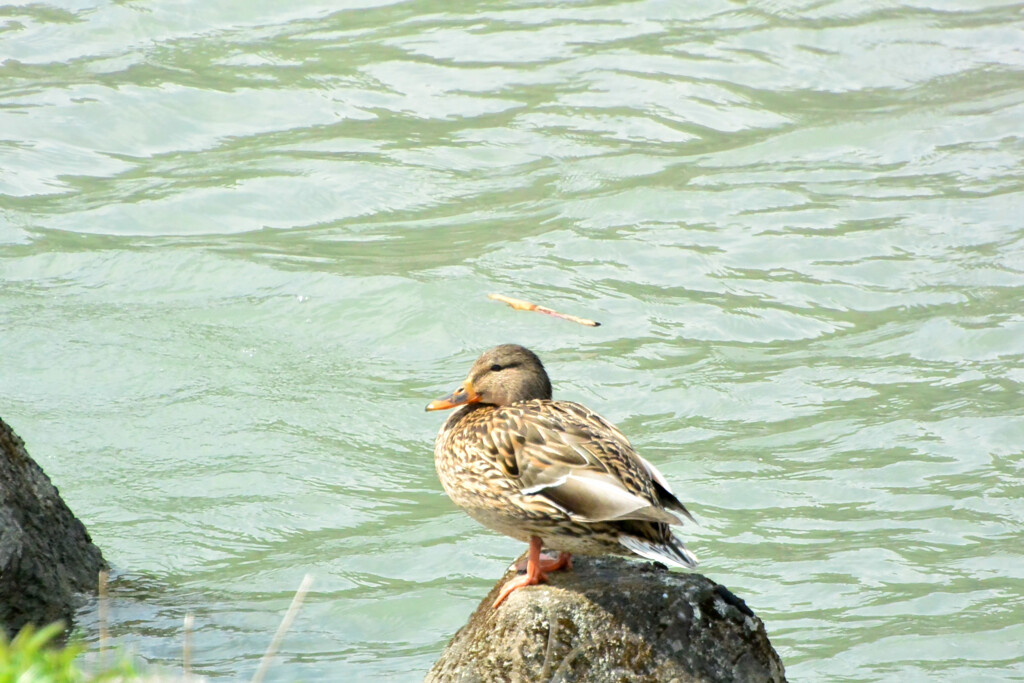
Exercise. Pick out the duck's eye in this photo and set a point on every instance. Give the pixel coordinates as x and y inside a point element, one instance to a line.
<point>495,368</point>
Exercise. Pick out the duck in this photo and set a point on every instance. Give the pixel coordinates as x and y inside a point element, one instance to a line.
<point>553,474</point>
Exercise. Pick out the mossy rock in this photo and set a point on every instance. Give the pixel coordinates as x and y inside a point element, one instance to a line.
<point>611,619</point>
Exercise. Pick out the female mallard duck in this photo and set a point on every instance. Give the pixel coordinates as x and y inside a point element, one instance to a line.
<point>550,473</point>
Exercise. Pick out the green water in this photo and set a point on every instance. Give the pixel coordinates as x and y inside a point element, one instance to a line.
<point>242,244</point>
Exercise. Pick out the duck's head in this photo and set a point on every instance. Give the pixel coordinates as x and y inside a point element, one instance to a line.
<point>500,376</point>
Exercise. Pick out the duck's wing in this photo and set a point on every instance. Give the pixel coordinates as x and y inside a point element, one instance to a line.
<point>577,461</point>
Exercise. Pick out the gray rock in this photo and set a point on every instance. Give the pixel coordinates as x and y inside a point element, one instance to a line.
<point>611,619</point>
<point>46,555</point>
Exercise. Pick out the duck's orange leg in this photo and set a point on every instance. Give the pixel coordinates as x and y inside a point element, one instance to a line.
<point>536,570</point>
<point>563,561</point>
<point>547,564</point>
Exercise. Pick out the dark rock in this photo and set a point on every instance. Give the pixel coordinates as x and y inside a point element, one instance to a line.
<point>611,619</point>
<point>46,555</point>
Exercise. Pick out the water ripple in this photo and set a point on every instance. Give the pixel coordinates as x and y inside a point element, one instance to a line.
<point>243,244</point>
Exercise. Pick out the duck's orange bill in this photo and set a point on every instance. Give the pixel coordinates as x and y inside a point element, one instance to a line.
<point>464,394</point>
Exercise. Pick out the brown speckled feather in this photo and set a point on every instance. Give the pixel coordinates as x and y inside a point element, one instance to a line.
<point>553,469</point>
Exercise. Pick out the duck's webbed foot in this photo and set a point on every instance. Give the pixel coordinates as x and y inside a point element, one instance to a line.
<point>537,568</point>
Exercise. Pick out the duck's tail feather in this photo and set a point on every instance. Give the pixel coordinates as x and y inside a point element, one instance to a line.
<point>673,552</point>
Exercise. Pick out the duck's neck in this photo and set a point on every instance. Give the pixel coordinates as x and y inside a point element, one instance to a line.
<point>462,412</point>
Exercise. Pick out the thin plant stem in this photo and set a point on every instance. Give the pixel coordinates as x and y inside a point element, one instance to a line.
<point>286,623</point>
<point>103,610</point>
<point>186,646</point>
